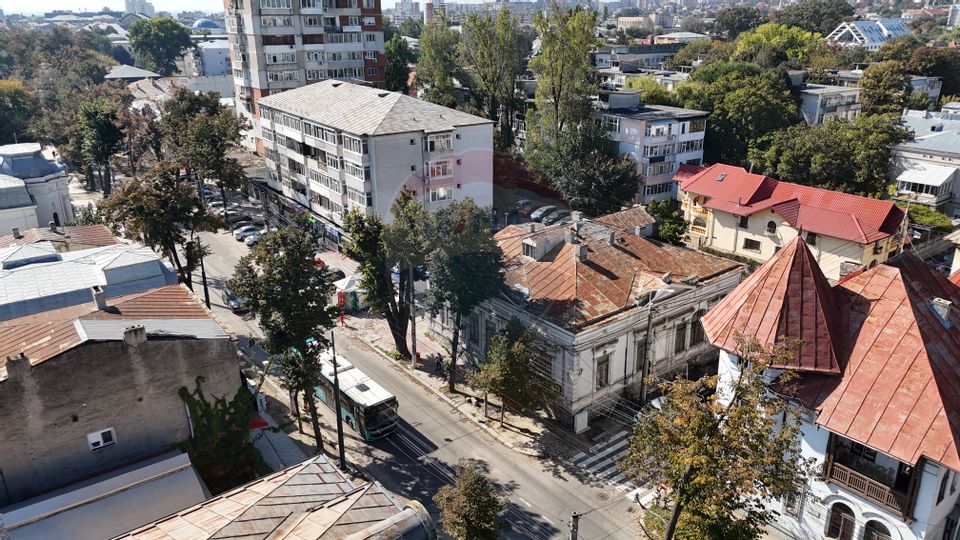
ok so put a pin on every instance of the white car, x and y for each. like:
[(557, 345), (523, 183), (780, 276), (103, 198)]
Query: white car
[(245, 231), (255, 237)]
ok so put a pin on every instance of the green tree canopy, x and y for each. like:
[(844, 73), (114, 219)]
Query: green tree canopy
[(670, 223), (927, 217), (397, 69), (17, 108), (733, 21), (885, 87), (157, 43), (937, 62), (464, 264), (289, 293), (651, 92), (469, 508), (707, 51), (100, 136), (899, 49), (721, 456), (821, 16), (221, 447), (411, 27), (771, 43), (438, 65)]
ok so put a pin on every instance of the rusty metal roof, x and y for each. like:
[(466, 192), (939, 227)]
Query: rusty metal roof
[(787, 298), (48, 334), (628, 219), (78, 236), (898, 391), (576, 293), (309, 501)]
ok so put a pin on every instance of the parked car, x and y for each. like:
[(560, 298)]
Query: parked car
[(336, 275), (232, 216), (232, 301), (555, 217), (521, 204), (241, 223), (252, 239), (245, 231), (527, 210), (214, 205), (542, 212)]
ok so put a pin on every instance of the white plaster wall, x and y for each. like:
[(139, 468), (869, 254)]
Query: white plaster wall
[(51, 195), (24, 218)]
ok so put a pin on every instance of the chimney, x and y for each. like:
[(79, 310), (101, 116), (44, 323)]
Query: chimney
[(18, 367), (580, 252), (134, 335), (612, 238), (576, 215), (16, 233), (531, 227), (571, 236), (53, 226), (99, 297), (942, 306)]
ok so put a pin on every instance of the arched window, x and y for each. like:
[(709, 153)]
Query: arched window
[(841, 523), (874, 530), (771, 227)]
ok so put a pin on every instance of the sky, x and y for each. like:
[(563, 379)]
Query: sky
[(173, 6)]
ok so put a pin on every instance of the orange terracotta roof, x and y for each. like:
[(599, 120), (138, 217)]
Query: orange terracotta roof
[(955, 278), (79, 235), (822, 211), (899, 387), (787, 298), (577, 293), (48, 334)]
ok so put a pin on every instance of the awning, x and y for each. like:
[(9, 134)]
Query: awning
[(926, 174)]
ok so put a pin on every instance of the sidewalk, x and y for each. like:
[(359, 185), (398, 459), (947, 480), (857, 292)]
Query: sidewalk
[(532, 436), (278, 450)]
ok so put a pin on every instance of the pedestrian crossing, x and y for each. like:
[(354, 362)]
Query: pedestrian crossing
[(602, 460)]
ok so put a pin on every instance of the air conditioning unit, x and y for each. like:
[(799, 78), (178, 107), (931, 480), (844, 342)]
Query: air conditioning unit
[(672, 138)]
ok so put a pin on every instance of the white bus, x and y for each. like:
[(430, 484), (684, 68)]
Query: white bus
[(365, 405)]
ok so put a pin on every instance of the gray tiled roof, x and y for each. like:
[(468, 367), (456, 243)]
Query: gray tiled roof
[(363, 110), (129, 72), (26, 160)]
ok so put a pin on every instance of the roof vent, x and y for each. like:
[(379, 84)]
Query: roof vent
[(571, 236), (53, 226), (134, 335), (612, 239), (99, 297), (721, 177), (336, 84), (942, 307), (383, 94), (16, 233), (580, 252), (531, 227), (936, 128)]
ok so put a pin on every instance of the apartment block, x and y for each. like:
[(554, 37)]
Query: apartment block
[(278, 45), (334, 146), (821, 103)]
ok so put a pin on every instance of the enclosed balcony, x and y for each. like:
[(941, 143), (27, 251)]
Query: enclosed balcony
[(879, 478)]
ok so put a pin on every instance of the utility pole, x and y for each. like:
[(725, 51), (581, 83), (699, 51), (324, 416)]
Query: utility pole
[(336, 399), (574, 525), (203, 276), (412, 302)]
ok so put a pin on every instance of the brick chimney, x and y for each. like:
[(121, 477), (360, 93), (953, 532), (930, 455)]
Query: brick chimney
[(18, 367), (134, 335)]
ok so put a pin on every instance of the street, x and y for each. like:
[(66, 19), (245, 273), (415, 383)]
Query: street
[(420, 456)]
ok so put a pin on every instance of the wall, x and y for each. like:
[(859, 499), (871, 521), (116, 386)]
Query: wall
[(49, 409), (52, 195), (24, 218)]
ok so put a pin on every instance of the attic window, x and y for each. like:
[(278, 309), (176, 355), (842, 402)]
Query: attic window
[(721, 177), (529, 250)]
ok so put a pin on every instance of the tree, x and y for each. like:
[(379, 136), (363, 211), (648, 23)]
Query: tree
[(842, 155), (220, 446), (509, 371), (141, 136), (156, 209), (206, 143), (651, 92), (17, 107), (464, 264), (670, 223), (584, 165), (406, 246), (290, 294), (411, 27), (397, 71), (158, 43), (706, 51), (100, 137), (438, 62), (721, 456), (927, 217), (733, 21), (899, 49), (918, 100), (885, 87), (778, 42), (937, 62), (179, 110), (821, 16), (495, 50), (469, 508)]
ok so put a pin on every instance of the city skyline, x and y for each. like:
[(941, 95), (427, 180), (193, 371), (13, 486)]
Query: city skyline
[(39, 7)]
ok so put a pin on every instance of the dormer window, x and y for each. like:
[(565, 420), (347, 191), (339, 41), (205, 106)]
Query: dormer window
[(530, 250)]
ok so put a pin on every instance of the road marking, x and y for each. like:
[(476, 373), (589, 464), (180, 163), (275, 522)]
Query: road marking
[(609, 450), (524, 501)]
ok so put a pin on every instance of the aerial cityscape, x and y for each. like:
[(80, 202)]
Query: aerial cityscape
[(602, 270)]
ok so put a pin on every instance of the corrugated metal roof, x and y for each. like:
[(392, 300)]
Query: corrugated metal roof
[(112, 329), (25, 161), (363, 110), (787, 298), (79, 236), (927, 173)]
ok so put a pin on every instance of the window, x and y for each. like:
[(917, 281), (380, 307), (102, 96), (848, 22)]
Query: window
[(354, 21), (771, 227), (356, 196), (372, 71), (744, 222), (315, 56), (333, 162), (841, 522), (439, 142), (603, 371), (369, 21), (441, 194), (698, 125), (696, 330), (690, 146), (281, 58), (751, 245), (357, 171), (680, 338), (312, 39), (529, 250), (276, 21), (266, 134), (860, 450), (281, 76), (314, 74), (874, 530), (334, 56), (943, 487), (655, 169), (312, 20), (369, 4), (949, 528), (370, 55), (792, 502), (610, 123), (812, 238), (641, 354), (354, 144), (275, 4), (99, 440), (474, 328), (371, 37), (655, 189), (440, 169), (286, 39)]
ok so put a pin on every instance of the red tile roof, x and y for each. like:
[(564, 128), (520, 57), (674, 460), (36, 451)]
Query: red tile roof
[(822, 211), (82, 236), (899, 387), (577, 293), (48, 334), (787, 298), (955, 278)]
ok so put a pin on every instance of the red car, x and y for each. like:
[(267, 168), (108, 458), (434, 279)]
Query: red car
[(527, 210)]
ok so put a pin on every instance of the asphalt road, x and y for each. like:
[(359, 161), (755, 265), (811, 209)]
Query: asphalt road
[(420, 457)]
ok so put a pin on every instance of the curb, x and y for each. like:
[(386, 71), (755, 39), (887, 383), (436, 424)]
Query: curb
[(446, 399)]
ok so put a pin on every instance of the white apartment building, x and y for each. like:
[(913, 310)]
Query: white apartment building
[(141, 7), (821, 103), (658, 138), (277, 45), (209, 58), (333, 146), (926, 168), (877, 387)]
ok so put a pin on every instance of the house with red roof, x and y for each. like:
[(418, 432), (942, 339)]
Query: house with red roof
[(731, 210), (878, 383)]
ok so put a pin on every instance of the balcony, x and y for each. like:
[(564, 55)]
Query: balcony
[(870, 489), (878, 478)]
